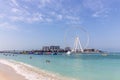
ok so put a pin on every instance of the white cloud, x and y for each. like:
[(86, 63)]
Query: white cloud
[(29, 19), (102, 13), (16, 18), (48, 20), (93, 4), (2, 16), (14, 2), (43, 3), (31, 11), (59, 17), (15, 10), (19, 11), (7, 26), (71, 17), (35, 17), (98, 7)]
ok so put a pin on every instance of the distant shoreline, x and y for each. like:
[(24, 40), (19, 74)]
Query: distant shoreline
[(53, 52)]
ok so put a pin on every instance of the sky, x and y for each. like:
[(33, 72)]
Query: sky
[(31, 24)]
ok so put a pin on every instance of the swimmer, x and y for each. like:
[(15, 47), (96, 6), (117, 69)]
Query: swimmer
[(30, 57), (47, 61)]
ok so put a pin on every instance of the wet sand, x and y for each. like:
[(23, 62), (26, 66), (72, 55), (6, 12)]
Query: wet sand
[(7, 73), (11, 70)]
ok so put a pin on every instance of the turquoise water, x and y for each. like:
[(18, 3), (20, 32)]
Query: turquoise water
[(82, 67)]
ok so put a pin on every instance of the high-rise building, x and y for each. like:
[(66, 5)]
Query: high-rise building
[(54, 48), (45, 48)]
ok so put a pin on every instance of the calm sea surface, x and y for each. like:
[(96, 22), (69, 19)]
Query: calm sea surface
[(80, 67)]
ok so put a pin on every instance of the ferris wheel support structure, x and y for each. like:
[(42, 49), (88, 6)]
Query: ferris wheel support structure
[(77, 45)]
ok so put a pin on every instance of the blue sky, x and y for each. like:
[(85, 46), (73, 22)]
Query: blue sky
[(31, 24)]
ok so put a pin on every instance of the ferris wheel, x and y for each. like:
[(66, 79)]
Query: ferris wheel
[(77, 38)]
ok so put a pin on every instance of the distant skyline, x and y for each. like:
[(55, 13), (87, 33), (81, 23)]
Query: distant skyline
[(31, 24)]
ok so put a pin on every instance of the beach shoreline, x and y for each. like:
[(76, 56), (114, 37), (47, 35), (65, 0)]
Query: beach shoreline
[(23, 71), (8, 73)]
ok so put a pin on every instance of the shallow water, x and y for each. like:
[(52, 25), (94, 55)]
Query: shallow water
[(80, 67)]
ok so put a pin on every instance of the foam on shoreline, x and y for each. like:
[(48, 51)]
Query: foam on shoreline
[(30, 72)]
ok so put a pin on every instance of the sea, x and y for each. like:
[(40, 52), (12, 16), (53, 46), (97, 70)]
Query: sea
[(74, 67)]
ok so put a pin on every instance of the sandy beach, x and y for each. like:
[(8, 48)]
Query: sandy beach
[(11, 70), (7, 73)]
